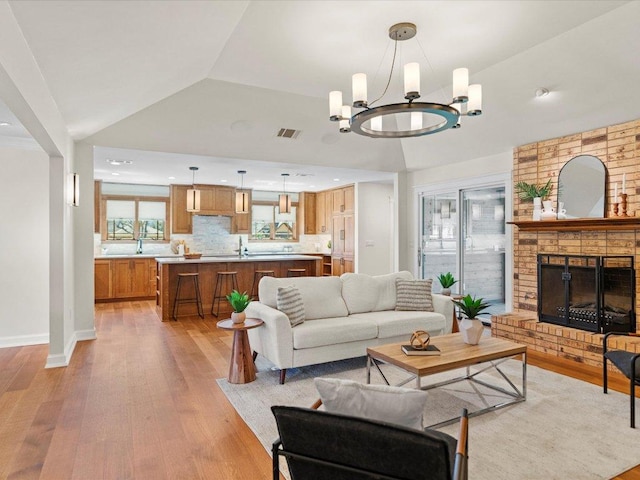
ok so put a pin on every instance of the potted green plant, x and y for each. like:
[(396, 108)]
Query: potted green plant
[(447, 281), (239, 302), (471, 327), (530, 192)]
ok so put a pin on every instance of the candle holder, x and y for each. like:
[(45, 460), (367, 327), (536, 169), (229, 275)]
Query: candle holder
[(614, 209), (623, 205)]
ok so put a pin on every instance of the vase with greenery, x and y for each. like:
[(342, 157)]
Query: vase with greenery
[(447, 281), (239, 302), (471, 327), (530, 192)]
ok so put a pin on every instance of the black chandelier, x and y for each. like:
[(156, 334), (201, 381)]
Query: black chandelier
[(467, 101)]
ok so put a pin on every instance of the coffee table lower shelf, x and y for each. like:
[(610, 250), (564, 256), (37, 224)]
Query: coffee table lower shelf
[(456, 354)]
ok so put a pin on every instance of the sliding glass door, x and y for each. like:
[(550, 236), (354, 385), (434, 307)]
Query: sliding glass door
[(462, 231)]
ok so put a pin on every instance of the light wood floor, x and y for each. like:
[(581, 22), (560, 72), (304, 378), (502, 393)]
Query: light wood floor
[(140, 402)]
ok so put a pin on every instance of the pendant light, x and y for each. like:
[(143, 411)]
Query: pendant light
[(242, 197), (284, 200), (193, 195)]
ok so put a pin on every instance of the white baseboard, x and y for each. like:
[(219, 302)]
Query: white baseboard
[(24, 340), (62, 360)]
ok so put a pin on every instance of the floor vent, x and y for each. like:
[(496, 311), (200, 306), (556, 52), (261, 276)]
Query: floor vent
[(288, 133)]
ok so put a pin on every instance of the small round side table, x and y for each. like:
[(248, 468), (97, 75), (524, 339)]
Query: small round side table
[(241, 367)]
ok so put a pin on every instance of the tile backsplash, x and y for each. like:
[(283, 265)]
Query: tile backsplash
[(211, 236)]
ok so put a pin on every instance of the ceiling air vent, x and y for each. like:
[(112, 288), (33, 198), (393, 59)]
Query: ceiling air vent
[(288, 133)]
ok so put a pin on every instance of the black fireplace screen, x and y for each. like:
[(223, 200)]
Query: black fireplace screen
[(591, 293)]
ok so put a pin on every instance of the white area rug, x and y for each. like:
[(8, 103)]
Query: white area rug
[(566, 429)]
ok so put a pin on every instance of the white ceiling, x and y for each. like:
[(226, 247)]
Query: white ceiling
[(218, 79)]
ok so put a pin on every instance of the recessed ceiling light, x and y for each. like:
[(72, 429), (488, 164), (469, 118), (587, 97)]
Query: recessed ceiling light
[(223, 181), (171, 178), (5, 124), (112, 161), (336, 179), (115, 174)]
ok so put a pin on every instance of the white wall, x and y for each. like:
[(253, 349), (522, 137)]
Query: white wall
[(375, 228), (24, 247)]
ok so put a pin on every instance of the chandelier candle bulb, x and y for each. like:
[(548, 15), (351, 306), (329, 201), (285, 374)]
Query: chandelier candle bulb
[(335, 105), (460, 85), (416, 120), (345, 122), (359, 88), (412, 81), (376, 124), (474, 107)]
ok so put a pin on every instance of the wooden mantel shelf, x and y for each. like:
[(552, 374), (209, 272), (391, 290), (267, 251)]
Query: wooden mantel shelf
[(579, 224)]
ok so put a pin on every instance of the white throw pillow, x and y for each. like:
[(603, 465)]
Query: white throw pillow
[(397, 405), (414, 295), (289, 302)]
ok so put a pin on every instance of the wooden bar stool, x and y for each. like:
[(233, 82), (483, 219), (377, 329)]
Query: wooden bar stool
[(257, 275), (222, 280), (179, 300), (296, 272)]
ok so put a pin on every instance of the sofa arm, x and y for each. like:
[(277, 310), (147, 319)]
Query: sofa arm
[(274, 339), (444, 305)]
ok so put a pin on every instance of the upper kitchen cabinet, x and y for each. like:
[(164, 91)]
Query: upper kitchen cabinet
[(217, 200), (343, 200), (324, 207), (180, 218), (241, 222), (307, 202)]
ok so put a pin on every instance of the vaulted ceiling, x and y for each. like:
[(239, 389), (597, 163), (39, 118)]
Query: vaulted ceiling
[(220, 78)]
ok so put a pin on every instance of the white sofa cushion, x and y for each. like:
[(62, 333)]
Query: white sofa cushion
[(364, 293), (331, 331), (322, 296), (394, 323), (397, 405)]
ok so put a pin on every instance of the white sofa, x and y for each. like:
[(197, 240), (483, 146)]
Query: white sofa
[(344, 316)]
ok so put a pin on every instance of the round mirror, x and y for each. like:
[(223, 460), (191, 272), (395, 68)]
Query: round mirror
[(581, 188)]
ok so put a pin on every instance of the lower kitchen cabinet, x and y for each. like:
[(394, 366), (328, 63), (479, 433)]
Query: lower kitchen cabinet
[(340, 265), (125, 278)]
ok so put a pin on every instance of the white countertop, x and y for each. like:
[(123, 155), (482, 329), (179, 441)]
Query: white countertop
[(137, 255), (235, 258)]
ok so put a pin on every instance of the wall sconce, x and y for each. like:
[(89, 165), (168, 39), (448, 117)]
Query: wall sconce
[(284, 200), (242, 197), (73, 189), (445, 210), (193, 195)]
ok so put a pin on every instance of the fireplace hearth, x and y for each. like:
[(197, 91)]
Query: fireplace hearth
[(592, 293)]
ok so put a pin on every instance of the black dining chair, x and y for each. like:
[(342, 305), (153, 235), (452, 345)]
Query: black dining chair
[(628, 363)]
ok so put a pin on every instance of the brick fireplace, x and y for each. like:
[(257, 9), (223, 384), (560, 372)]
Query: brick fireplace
[(618, 146)]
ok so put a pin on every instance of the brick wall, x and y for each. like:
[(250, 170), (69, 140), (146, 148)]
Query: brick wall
[(618, 146)]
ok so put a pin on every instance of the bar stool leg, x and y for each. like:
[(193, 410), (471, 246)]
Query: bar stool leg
[(175, 300), (216, 296), (196, 283)]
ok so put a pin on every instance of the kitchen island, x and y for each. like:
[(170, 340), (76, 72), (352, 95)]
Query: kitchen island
[(208, 267)]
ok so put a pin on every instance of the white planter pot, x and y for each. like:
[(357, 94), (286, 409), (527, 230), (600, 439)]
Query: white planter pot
[(471, 330), (238, 317), (446, 291), (537, 209)]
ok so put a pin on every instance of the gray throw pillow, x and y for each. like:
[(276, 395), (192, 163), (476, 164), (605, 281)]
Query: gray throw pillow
[(414, 295), (289, 302)]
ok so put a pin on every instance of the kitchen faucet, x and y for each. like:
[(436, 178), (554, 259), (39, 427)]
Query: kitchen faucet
[(240, 246), (139, 245)]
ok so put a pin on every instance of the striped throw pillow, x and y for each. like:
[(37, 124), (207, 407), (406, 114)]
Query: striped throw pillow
[(289, 302), (414, 295)]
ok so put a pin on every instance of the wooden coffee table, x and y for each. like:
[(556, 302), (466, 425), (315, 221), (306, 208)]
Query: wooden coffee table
[(455, 354), (241, 366)]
